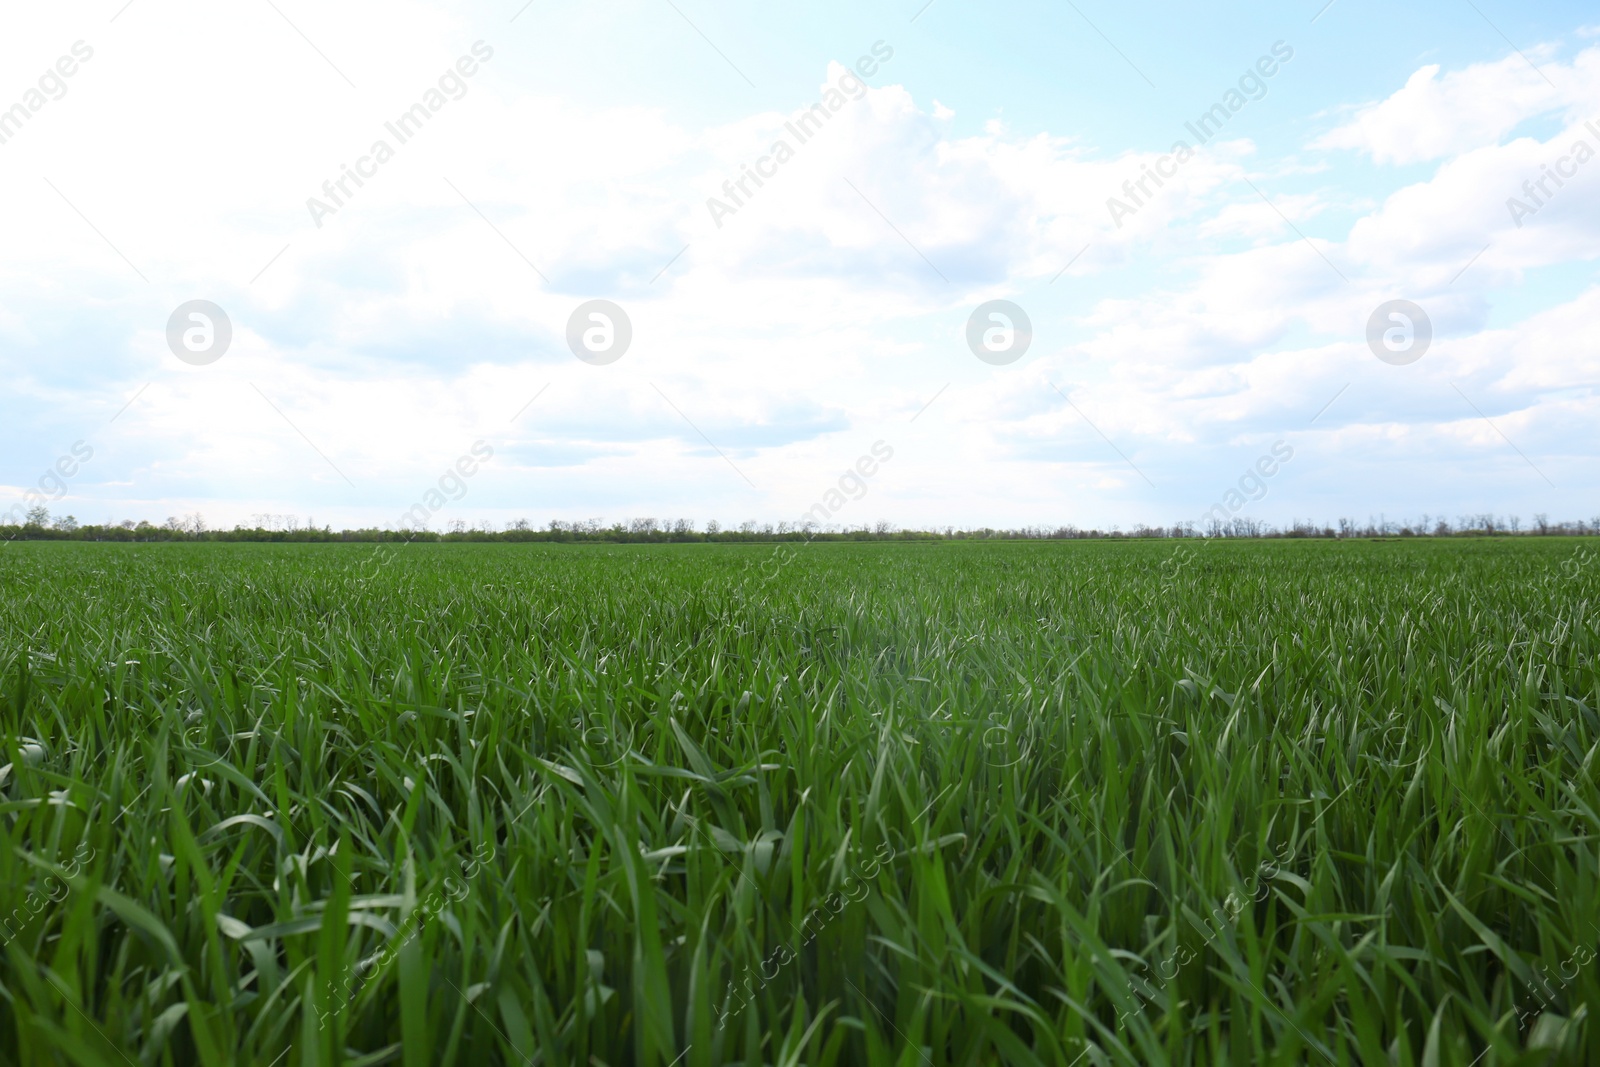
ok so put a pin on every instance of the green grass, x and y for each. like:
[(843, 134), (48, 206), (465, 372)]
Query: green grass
[(1091, 803)]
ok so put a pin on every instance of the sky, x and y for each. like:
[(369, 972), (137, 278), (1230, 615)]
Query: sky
[(1010, 264)]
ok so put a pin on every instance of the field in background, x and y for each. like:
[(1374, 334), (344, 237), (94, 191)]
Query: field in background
[(951, 803)]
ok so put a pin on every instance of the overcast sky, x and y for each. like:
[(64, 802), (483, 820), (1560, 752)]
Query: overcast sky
[(160, 152)]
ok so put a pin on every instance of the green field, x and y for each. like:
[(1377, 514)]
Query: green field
[(925, 803)]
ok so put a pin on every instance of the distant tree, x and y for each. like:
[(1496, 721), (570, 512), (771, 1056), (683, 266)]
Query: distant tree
[(1541, 522), (66, 524), (38, 515), (1515, 522), (713, 527)]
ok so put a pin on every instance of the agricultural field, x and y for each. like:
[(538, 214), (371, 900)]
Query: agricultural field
[(918, 803)]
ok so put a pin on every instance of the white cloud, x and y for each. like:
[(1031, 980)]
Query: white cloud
[(1433, 117)]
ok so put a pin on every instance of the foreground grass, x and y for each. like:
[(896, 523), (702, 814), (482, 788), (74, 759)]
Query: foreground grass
[(922, 804)]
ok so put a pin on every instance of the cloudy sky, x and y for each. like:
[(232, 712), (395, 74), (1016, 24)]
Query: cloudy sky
[(557, 153)]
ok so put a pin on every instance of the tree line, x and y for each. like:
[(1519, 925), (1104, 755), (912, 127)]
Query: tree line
[(40, 525)]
